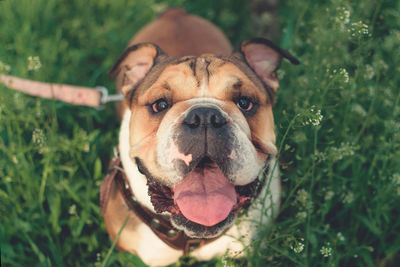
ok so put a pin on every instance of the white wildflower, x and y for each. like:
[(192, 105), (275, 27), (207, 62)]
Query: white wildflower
[(340, 237), (86, 148), (359, 30), (348, 198), (316, 121), (345, 75), (314, 117), (304, 199), (298, 247), (319, 156), (38, 137), (382, 65), (396, 181), (329, 195), (344, 150), (342, 17), (34, 63), (369, 72), (72, 210), (358, 109), (301, 215), (4, 67), (326, 250), (98, 260), (302, 196)]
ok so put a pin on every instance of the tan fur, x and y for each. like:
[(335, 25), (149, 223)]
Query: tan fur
[(180, 34)]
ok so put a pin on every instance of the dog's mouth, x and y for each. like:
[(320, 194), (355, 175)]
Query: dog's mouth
[(205, 196), (204, 202)]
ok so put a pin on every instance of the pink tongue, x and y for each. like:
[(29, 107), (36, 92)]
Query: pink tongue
[(205, 196)]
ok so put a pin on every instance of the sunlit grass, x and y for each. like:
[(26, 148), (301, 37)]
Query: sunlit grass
[(337, 119)]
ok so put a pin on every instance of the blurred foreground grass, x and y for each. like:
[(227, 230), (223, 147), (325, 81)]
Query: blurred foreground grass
[(337, 118)]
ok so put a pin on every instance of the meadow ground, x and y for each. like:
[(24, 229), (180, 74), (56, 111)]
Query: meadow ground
[(337, 119)]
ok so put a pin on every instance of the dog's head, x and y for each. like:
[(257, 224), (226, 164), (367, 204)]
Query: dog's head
[(201, 128)]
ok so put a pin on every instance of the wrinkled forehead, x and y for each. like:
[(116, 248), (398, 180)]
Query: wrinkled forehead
[(201, 74)]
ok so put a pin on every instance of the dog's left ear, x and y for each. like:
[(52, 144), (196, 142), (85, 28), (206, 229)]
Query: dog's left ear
[(264, 57), (134, 64)]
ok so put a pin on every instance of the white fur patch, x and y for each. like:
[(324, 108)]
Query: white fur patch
[(153, 251), (137, 181)]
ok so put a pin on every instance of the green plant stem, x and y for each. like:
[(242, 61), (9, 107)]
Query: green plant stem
[(107, 258)]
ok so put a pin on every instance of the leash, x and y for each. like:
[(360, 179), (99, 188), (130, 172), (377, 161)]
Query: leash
[(77, 95)]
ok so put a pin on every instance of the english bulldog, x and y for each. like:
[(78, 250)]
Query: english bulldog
[(197, 142)]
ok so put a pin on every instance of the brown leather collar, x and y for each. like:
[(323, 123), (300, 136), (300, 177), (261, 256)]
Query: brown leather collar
[(159, 224)]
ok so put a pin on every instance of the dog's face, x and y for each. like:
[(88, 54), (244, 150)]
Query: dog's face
[(201, 129)]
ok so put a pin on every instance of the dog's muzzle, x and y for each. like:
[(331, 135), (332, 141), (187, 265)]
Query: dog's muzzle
[(212, 171), (204, 133)]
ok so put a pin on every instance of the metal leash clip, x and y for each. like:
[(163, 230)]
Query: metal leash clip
[(106, 98)]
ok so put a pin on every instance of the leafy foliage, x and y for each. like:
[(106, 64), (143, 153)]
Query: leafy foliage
[(337, 118)]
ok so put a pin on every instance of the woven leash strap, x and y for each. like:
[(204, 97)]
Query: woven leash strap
[(77, 95)]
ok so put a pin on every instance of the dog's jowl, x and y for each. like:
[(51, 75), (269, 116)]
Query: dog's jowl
[(197, 171)]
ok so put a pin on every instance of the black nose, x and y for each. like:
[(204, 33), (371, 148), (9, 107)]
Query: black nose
[(204, 117)]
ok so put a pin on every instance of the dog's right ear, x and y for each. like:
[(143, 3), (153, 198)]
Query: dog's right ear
[(134, 64), (264, 57)]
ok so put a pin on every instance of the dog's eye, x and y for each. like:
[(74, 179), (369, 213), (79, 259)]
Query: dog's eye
[(245, 104), (159, 105)]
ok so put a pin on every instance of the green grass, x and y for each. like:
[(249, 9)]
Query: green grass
[(341, 176)]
